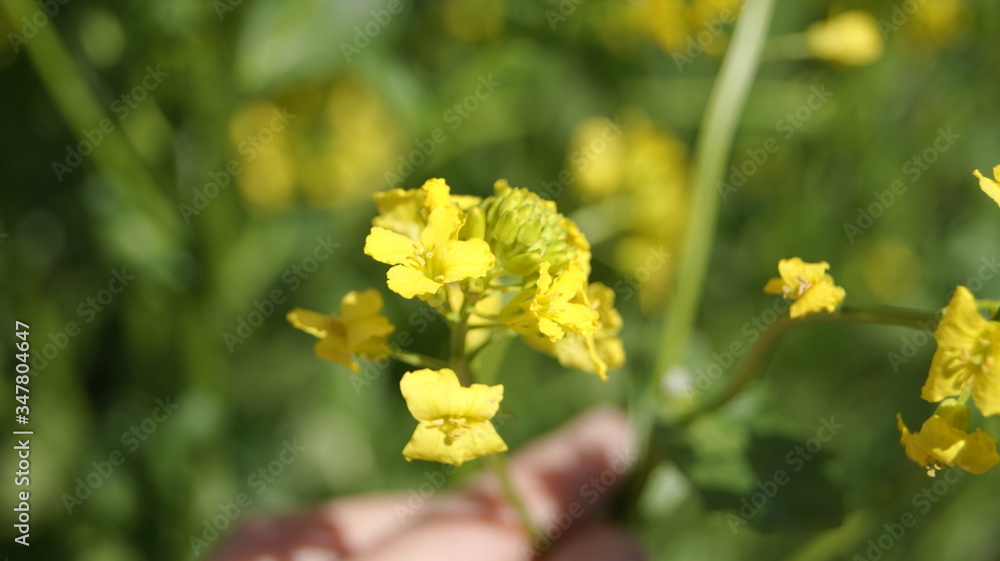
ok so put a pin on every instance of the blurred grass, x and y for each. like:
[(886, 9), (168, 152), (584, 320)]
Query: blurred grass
[(164, 334)]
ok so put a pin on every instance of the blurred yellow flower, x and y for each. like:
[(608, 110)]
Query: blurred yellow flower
[(360, 330), (943, 441), (808, 284), (596, 353), (454, 421), (552, 306), (968, 355), (422, 267), (851, 38), (990, 186)]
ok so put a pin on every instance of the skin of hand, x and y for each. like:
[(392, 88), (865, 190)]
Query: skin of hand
[(566, 479)]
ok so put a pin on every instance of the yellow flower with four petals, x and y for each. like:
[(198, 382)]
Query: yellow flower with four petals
[(943, 441), (359, 330), (423, 266), (967, 355), (454, 421), (808, 284)]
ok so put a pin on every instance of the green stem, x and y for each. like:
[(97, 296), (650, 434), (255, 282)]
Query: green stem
[(499, 464), (718, 127), (752, 365), (459, 362), (418, 359)]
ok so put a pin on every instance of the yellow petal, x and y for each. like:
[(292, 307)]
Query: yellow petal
[(550, 329), (362, 330), (362, 303), (571, 282), (389, 247), (793, 271), (956, 335), (442, 225), (979, 453), (432, 444), (822, 296), (460, 260), (989, 186), (774, 286), (409, 282), (437, 394), (334, 347), (986, 389), (436, 194), (313, 323)]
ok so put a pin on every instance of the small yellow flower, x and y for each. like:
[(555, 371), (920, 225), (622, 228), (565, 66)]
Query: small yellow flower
[(595, 353), (851, 38), (454, 421), (438, 257), (968, 355), (943, 441), (808, 284), (360, 330), (552, 306), (990, 186)]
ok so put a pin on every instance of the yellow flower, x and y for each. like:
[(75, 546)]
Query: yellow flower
[(990, 186), (438, 257), (455, 422), (808, 284), (360, 329), (850, 38), (552, 306), (968, 355), (595, 353), (943, 441)]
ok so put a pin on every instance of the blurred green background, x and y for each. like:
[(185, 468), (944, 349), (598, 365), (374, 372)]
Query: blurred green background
[(207, 150)]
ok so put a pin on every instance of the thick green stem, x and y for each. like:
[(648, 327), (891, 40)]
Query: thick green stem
[(718, 127)]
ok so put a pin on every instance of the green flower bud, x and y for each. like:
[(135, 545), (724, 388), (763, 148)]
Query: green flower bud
[(523, 264)]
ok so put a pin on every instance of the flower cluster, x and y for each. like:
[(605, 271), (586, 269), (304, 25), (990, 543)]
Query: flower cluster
[(966, 363), (507, 264), (456, 251)]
